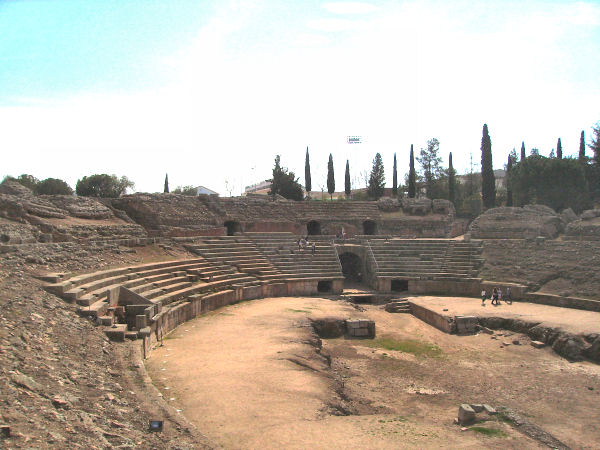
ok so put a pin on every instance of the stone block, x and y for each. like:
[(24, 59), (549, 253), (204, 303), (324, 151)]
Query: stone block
[(140, 321), (538, 344), (489, 409), (147, 331), (466, 414), (106, 320), (477, 407), (361, 332), (351, 324)]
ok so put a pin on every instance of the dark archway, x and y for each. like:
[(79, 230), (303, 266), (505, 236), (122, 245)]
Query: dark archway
[(399, 285), (324, 286), (313, 228), (232, 227), (369, 227), (351, 267)]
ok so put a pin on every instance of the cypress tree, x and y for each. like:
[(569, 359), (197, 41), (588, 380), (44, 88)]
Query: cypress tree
[(377, 178), (523, 155), (582, 147), (166, 191), (307, 180), (559, 149), (595, 145), (488, 181), (330, 177), (412, 176), (509, 194), (395, 178), (347, 180), (451, 180)]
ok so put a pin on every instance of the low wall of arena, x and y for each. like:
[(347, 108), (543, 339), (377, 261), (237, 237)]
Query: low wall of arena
[(431, 317), (195, 305)]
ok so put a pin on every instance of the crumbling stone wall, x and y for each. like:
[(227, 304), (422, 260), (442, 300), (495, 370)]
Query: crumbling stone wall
[(514, 222)]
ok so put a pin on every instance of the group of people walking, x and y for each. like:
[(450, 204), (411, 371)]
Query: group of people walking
[(303, 244), (497, 296)]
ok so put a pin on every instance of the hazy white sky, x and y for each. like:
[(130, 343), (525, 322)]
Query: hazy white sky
[(211, 91)]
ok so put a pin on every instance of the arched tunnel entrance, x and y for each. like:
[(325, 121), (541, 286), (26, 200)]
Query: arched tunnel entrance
[(232, 227), (352, 267), (369, 227), (313, 228)]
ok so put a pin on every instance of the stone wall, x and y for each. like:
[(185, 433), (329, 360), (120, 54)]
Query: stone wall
[(444, 323)]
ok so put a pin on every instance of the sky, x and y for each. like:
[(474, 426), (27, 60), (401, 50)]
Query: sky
[(211, 91)]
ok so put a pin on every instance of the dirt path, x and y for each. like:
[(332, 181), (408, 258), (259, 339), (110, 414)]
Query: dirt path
[(249, 376)]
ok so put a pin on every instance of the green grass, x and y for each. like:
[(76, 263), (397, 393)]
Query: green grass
[(492, 432), (417, 348)]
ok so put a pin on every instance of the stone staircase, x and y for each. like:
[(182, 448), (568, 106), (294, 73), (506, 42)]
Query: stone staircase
[(281, 250), (398, 306), (425, 259)]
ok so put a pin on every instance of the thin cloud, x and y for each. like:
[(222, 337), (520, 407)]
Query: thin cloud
[(350, 7)]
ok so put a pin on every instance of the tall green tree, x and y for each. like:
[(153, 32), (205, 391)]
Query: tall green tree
[(509, 165), (395, 178), (431, 165), (285, 183), (559, 149), (582, 147), (488, 180), (412, 175), (347, 186), (330, 177), (451, 180), (166, 189), (307, 179), (103, 185), (523, 155), (595, 145), (376, 179)]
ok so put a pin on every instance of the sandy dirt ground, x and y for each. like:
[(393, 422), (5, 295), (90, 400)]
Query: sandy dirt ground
[(249, 376)]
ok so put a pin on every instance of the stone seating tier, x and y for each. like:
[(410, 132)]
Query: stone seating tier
[(425, 259), (281, 250)]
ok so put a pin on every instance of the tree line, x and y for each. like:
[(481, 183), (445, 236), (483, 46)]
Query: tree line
[(98, 185), (556, 181)]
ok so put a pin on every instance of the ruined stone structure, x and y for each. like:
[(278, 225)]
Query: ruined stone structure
[(247, 248)]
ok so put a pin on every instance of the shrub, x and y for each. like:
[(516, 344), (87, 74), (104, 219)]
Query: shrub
[(53, 186), (103, 185)]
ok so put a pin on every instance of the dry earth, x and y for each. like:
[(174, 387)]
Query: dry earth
[(250, 376)]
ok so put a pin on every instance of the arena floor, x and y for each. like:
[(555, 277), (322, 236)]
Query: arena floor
[(249, 376)]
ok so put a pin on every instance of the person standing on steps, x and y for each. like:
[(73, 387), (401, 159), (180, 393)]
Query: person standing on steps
[(313, 249), (508, 296)]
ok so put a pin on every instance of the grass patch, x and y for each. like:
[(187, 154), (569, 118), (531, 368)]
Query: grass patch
[(492, 432), (417, 348)]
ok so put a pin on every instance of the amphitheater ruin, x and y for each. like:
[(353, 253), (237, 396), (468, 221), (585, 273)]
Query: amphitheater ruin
[(119, 312)]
